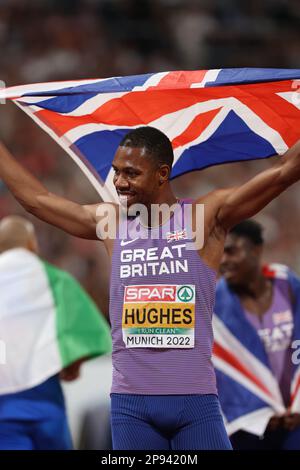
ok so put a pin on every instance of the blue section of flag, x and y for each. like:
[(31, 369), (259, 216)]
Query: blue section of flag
[(239, 403), (68, 99), (253, 75), (64, 103), (99, 148), (221, 147), (229, 310), (111, 85)]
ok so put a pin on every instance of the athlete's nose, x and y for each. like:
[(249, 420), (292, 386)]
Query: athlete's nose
[(121, 183)]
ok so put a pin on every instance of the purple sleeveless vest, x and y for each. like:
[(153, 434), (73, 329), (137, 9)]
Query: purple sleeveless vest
[(161, 304), (275, 329)]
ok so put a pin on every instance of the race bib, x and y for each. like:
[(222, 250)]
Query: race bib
[(159, 316)]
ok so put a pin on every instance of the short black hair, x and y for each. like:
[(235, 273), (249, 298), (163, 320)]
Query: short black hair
[(249, 229), (154, 141)]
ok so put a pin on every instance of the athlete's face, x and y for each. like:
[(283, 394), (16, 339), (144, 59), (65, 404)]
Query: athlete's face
[(240, 260), (136, 176)]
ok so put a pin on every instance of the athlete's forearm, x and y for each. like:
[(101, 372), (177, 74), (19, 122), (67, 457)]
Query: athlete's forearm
[(250, 198), (23, 185), (69, 216), (290, 165)]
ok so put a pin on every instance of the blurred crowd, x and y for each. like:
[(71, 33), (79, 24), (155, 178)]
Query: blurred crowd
[(44, 40)]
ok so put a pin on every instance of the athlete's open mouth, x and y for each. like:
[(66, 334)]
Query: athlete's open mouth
[(125, 198)]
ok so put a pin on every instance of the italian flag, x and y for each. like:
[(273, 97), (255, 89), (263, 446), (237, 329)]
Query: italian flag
[(47, 321)]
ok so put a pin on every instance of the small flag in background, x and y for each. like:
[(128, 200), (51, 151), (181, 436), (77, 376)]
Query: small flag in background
[(210, 116)]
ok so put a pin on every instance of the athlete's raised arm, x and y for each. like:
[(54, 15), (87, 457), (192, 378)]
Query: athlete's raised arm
[(73, 218), (242, 202)]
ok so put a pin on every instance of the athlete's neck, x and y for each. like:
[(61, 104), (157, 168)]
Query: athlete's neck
[(255, 287), (155, 216)]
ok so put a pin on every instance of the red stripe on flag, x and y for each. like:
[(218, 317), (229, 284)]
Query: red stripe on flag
[(61, 124), (297, 387), (179, 79), (196, 127), (222, 353), (267, 272), (273, 109), (133, 109)]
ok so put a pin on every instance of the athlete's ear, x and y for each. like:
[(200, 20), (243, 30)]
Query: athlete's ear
[(256, 253), (258, 250), (164, 173)]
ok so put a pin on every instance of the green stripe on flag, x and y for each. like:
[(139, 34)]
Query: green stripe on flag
[(82, 330)]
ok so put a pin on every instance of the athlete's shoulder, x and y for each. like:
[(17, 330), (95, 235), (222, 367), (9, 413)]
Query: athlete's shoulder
[(213, 202)]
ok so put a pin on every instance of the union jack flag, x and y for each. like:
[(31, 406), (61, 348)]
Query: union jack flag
[(177, 235), (248, 390), (210, 116)]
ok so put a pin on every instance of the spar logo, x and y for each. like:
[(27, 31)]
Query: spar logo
[(159, 293), (185, 294)]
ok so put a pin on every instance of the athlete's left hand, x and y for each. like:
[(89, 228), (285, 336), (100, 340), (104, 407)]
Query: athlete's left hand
[(291, 420)]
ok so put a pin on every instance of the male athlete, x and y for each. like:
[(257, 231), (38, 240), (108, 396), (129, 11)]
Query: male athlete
[(162, 295), (262, 305)]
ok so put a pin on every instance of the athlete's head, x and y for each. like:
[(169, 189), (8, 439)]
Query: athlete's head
[(17, 232), (241, 260), (142, 166)]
